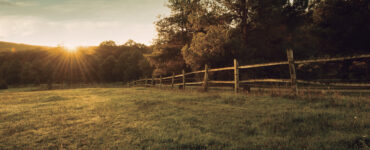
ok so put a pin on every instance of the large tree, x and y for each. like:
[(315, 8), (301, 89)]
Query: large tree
[(342, 26), (188, 17)]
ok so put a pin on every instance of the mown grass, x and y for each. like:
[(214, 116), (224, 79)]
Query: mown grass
[(148, 118)]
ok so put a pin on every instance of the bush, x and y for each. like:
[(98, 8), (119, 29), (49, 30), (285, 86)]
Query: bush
[(3, 84)]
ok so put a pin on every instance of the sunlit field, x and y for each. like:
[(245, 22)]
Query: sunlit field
[(149, 118), (184, 74)]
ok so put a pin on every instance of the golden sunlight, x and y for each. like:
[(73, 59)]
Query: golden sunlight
[(71, 48)]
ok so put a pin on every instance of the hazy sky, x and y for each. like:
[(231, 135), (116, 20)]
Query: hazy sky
[(79, 22)]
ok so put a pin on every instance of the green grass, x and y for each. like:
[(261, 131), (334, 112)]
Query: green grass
[(148, 118)]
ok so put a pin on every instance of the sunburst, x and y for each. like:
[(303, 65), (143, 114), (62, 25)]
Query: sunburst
[(69, 65), (71, 49)]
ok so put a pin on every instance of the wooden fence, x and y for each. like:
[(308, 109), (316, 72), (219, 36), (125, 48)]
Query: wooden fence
[(293, 81)]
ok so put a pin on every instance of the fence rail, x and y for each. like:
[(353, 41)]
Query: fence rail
[(335, 84), (236, 82)]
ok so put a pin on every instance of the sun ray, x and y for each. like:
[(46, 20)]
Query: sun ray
[(71, 49)]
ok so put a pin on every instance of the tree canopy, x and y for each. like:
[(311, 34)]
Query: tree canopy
[(213, 32)]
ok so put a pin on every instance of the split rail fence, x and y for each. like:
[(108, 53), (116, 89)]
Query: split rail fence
[(293, 81)]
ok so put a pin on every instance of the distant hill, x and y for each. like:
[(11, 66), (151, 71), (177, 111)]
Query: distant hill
[(8, 46)]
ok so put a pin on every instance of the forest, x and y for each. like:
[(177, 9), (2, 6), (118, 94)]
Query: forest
[(212, 32)]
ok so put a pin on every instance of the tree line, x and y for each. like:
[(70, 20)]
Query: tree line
[(105, 63), (214, 32)]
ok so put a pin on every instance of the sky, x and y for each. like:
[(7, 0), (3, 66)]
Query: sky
[(72, 23)]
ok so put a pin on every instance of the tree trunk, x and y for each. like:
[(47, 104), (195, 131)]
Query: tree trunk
[(244, 18)]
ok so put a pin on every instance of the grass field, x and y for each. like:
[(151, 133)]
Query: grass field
[(148, 118)]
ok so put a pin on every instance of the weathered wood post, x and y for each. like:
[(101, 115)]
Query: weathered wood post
[(205, 81), (183, 79), (293, 75), (236, 76), (146, 82), (153, 81), (160, 81), (173, 79)]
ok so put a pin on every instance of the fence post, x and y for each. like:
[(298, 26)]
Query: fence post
[(236, 76), (160, 81), (146, 82), (153, 81), (293, 75), (173, 79), (183, 79), (205, 81)]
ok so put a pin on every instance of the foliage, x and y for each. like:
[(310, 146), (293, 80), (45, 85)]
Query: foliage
[(167, 58), (214, 32), (341, 27), (207, 48), (107, 69), (175, 31), (3, 84), (87, 64)]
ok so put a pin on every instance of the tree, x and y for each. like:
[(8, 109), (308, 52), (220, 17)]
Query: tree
[(174, 32), (107, 69), (121, 67), (239, 12), (342, 26), (106, 49), (28, 74), (145, 67), (208, 48), (3, 84), (13, 72)]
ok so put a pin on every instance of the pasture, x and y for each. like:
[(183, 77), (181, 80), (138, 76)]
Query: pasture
[(150, 118)]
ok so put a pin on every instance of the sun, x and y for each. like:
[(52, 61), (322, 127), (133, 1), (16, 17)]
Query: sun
[(71, 48)]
